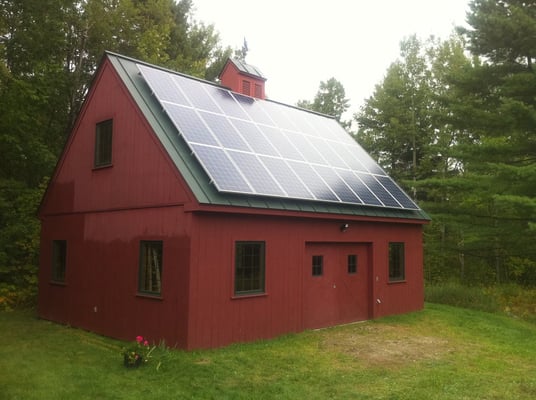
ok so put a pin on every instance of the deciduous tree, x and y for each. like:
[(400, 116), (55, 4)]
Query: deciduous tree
[(49, 52), (330, 100)]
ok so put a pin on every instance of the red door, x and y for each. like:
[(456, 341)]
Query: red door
[(336, 284)]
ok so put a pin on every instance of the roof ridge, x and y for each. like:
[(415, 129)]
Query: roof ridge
[(165, 69)]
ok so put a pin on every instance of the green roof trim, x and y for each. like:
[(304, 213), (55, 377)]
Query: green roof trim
[(199, 182)]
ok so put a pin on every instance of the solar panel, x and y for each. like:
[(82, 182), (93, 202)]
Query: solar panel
[(313, 181), (227, 102), (256, 173), (224, 132), (190, 124), (359, 188), (254, 137), (287, 178), (341, 189), (220, 167), (260, 147)]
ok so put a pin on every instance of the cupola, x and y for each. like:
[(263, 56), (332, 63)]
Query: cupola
[(243, 78)]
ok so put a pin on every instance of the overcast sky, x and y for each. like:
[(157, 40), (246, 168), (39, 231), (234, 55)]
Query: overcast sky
[(298, 43)]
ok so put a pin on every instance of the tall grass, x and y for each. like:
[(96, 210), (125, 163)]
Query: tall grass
[(458, 295), (512, 300)]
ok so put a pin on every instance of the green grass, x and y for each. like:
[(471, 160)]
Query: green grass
[(440, 353)]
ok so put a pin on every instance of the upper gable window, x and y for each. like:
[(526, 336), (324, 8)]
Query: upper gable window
[(103, 144)]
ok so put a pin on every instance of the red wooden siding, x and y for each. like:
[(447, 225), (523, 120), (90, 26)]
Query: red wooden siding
[(198, 308), (141, 174), (100, 291), (104, 213), (217, 317)]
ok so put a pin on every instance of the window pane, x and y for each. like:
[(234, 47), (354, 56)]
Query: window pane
[(103, 143), (59, 258), (396, 262), (352, 263), (150, 271), (249, 267), (318, 265)]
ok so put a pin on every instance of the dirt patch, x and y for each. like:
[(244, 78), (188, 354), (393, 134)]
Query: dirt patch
[(387, 346)]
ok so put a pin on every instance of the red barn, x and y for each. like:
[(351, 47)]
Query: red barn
[(186, 211)]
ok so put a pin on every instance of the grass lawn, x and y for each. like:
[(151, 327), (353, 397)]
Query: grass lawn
[(440, 353)]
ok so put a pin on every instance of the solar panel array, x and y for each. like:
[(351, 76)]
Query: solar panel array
[(259, 147)]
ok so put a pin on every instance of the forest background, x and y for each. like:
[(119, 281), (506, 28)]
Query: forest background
[(453, 121)]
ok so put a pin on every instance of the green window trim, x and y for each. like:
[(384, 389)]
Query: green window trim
[(103, 144), (397, 263), (150, 267), (59, 260), (250, 268)]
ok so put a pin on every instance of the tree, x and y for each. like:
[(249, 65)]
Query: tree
[(500, 92), (444, 107), (395, 122), (502, 31), (194, 48), (330, 100), (49, 52)]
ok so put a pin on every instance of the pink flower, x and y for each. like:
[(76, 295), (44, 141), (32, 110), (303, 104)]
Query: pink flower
[(146, 343), (139, 339)]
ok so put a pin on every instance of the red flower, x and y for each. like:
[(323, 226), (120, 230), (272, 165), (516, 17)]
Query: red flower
[(139, 339)]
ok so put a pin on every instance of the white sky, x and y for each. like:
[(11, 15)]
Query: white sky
[(298, 43)]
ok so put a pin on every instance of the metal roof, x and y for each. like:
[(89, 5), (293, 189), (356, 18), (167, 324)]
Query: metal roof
[(196, 178), (247, 68)]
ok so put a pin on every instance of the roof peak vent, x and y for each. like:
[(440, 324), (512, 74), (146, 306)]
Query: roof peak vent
[(243, 78)]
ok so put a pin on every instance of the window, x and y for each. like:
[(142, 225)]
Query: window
[(103, 144), (318, 265), (249, 267), (352, 263), (396, 262), (150, 272), (59, 258), (246, 89)]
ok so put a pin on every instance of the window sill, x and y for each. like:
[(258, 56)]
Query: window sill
[(99, 167), (56, 283), (396, 282), (248, 296), (150, 296)]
